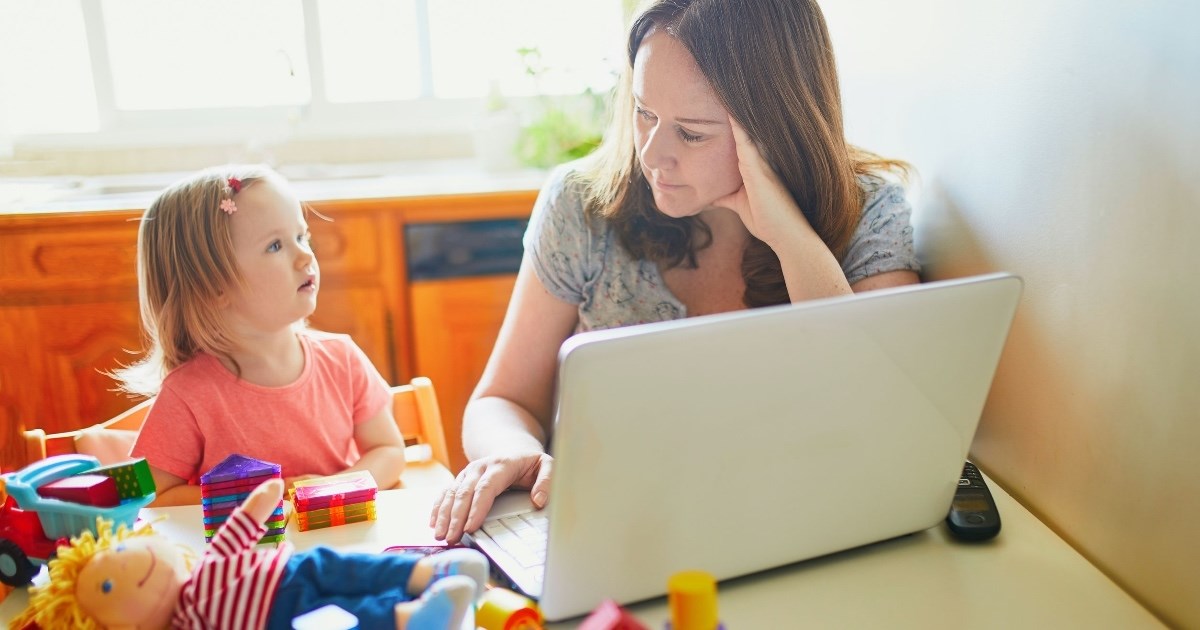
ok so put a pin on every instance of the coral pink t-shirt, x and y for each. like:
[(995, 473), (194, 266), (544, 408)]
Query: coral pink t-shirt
[(204, 413)]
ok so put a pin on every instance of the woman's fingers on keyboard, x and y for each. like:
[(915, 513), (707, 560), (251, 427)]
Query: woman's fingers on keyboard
[(541, 486), (464, 504), (464, 496), (436, 511), (441, 515), (490, 486), (455, 501)]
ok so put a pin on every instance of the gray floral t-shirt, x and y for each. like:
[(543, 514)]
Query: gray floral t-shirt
[(580, 260)]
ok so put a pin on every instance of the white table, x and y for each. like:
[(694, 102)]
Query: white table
[(1027, 577)]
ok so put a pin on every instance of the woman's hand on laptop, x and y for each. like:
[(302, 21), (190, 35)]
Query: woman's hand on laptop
[(465, 503)]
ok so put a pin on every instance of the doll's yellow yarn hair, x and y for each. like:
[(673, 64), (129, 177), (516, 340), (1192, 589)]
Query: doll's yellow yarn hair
[(53, 605)]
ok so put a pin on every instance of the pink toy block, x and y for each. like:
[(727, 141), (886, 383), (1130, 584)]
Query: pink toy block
[(94, 490), (610, 616)]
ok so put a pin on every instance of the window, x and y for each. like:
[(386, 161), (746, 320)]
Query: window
[(183, 71), (370, 60), (184, 55), (41, 40)]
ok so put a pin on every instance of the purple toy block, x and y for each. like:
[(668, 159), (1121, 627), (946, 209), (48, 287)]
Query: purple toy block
[(239, 467)]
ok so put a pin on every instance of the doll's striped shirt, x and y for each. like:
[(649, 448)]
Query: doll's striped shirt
[(235, 582)]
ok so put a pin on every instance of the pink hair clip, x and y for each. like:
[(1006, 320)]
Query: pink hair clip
[(235, 187)]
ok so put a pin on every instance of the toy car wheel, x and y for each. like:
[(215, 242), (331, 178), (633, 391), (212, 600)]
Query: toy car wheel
[(15, 567)]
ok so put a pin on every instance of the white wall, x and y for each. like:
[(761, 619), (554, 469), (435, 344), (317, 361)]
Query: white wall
[(1060, 140)]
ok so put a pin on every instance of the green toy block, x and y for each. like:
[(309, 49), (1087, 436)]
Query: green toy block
[(274, 534), (133, 478)]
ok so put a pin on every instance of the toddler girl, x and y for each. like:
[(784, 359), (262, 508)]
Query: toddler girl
[(226, 279)]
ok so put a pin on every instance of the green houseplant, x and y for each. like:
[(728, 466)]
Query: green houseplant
[(564, 127)]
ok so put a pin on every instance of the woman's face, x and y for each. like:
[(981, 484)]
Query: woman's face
[(682, 133)]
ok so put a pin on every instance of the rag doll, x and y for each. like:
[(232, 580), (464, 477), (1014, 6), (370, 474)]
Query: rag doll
[(139, 579)]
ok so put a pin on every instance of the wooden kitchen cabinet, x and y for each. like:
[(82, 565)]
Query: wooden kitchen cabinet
[(455, 323), (69, 313), (357, 274)]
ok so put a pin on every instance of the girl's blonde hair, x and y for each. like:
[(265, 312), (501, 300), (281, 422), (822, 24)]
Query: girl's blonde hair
[(771, 65), (185, 268), (53, 605)]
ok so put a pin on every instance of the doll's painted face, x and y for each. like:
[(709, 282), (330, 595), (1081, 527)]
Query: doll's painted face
[(135, 584)]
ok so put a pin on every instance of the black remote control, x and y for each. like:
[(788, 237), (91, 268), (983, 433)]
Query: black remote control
[(973, 514)]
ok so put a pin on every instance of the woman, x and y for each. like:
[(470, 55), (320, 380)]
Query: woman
[(724, 182)]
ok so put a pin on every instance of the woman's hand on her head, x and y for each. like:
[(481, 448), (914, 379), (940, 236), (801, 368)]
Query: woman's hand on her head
[(465, 503), (763, 202)]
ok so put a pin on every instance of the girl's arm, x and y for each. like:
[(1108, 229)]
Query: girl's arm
[(507, 422), (382, 448), (172, 490)]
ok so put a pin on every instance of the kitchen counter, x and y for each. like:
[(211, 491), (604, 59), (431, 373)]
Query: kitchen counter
[(311, 182)]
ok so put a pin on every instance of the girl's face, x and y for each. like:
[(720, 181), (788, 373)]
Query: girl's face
[(273, 254), (681, 131)]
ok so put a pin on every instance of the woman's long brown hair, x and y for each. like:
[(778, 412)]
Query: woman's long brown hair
[(771, 64)]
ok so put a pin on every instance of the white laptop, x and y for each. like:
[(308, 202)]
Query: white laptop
[(739, 442)]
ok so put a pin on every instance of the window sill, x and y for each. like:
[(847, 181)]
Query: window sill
[(312, 182)]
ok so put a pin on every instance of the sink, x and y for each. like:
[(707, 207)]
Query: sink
[(129, 189), (310, 181)]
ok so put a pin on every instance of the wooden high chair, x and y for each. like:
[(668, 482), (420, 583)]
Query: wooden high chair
[(419, 418), (108, 441), (414, 407)]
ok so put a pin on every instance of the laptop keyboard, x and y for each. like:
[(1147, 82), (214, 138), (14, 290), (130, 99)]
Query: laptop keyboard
[(523, 536)]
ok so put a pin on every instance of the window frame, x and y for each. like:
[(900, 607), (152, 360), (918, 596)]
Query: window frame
[(319, 119)]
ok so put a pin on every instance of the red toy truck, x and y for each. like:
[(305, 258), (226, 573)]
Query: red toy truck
[(32, 526)]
